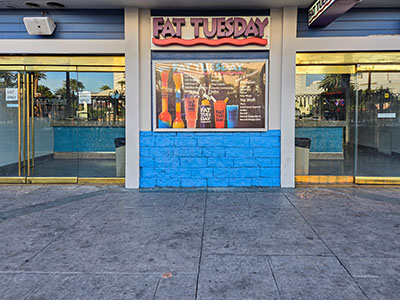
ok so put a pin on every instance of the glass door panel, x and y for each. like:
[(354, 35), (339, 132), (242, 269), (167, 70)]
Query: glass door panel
[(10, 126), (324, 104), (101, 118), (378, 124), (55, 132)]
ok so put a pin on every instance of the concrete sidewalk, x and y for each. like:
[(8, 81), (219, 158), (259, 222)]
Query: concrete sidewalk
[(96, 242)]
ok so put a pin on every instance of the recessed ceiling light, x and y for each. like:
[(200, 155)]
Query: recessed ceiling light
[(32, 4), (55, 4), (11, 6)]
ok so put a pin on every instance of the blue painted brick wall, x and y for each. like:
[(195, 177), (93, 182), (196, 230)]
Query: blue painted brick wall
[(231, 159)]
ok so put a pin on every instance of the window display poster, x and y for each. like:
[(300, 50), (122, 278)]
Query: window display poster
[(219, 95)]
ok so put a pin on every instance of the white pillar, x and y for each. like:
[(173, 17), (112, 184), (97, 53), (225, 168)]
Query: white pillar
[(145, 69), (288, 92), (275, 71), (132, 96)]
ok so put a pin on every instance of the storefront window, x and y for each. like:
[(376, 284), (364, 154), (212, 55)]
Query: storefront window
[(61, 124), (351, 122), (85, 112)]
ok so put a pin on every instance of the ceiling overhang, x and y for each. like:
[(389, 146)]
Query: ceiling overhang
[(178, 4)]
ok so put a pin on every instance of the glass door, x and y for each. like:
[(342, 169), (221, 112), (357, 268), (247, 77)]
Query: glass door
[(62, 119), (55, 139), (34, 107), (324, 124), (10, 123), (378, 125), (101, 119)]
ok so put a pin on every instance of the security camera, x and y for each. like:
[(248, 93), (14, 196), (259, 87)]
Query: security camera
[(39, 25)]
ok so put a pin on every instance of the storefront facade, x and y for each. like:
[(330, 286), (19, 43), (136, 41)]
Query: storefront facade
[(215, 106)]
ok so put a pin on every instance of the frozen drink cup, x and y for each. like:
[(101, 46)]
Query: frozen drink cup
[(219, 112), (232, 111), (191, 108)]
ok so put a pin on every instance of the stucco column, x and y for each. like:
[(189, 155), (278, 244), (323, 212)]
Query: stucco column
[(132, 96), (288, 92), (275, 67)]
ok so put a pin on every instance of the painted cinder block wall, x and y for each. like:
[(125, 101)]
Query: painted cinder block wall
[(231, 159)]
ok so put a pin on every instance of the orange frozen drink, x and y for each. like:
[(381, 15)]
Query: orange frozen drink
[(219, 112)]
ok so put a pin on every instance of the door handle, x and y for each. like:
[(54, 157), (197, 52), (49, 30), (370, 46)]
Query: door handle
[(19, 124), (24, 122), (33, 122)]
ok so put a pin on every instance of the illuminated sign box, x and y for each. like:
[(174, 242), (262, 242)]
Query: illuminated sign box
[(211, 32)]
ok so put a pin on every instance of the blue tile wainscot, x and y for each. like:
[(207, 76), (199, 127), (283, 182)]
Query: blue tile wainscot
[(234, 159)]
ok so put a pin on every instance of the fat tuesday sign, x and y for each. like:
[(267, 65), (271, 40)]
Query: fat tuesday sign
[(212, 31), (317, 9), (323, 12)]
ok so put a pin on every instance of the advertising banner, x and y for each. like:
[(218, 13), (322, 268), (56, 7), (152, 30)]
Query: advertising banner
[(210, 96)]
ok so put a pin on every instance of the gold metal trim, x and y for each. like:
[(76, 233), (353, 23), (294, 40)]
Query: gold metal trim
[(350, 69), (100, 69), (11, 180), (92, 180), (28, 167), (377, 180), (54, 180), (344, 58), (19, 124), (47, 60), (327, 185), (51, 68), (12, 68), (318, 179), (378, 68)]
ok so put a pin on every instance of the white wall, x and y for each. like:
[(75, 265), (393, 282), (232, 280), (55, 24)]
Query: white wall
[(288, 95), (132, 94), (275, 65), (145, 70)]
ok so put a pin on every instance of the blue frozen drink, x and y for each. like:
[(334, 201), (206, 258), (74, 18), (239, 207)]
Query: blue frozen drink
[(232, 111)]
